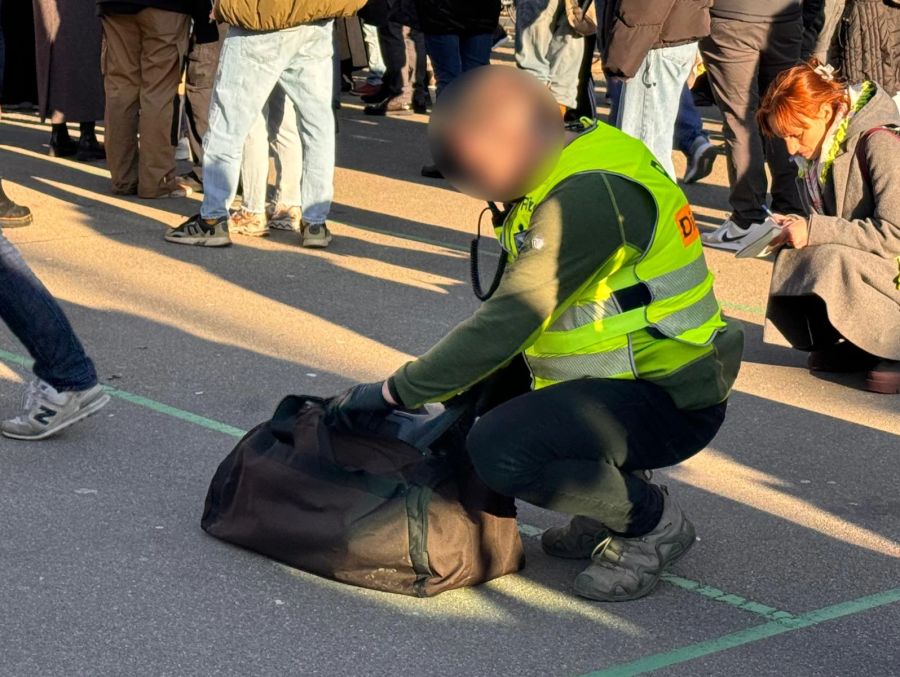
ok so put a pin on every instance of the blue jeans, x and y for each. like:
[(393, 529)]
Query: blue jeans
[(688, 124), (452, 55), (277, 124), (373, 50), (547, 48), (251, 64), (649, 102), (36, 319)]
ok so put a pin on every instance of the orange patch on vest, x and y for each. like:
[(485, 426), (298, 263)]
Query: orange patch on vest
[(687, 226)]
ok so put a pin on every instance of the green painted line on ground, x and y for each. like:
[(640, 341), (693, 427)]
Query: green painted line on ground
[(175, 412), (743, 308), (736, 601), (750, 635)]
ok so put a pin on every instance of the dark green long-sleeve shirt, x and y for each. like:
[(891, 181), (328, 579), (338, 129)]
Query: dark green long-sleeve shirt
[(573, 234)]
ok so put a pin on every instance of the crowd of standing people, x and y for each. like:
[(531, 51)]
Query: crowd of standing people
[(242, 84)]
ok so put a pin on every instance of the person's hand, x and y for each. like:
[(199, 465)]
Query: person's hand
[(357, 403), (795, 231)]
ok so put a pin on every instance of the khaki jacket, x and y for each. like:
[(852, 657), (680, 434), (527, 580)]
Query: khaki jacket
[(273, 15)]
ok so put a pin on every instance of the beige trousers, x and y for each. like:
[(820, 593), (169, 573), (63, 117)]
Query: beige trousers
[(142, 69)]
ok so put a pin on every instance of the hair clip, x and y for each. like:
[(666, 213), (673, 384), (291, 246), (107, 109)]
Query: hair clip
[(825, 71)]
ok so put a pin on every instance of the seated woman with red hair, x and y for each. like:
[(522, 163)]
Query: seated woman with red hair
[(835, 287)]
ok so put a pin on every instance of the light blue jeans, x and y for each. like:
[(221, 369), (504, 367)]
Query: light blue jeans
[(251, 64), (649, 102), (373, 50), (275, 126), (547, 48)]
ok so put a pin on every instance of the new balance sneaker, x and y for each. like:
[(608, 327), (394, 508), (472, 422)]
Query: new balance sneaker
[(732, 237), (316, 235), (243, 222), (46, 411), (289, 218), (628, 568), (201, 232), (577, 540), (701, 159)]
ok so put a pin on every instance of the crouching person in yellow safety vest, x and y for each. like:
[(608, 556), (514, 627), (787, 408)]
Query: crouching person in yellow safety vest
[(603, 353)]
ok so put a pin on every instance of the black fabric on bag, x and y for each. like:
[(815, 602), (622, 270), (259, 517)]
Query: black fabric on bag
[(369, 510)]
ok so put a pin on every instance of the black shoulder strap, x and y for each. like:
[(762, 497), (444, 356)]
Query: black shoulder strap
[(862, 146)]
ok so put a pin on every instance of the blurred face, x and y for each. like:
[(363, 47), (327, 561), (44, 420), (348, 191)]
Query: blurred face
[(806, 139), (502, 129)]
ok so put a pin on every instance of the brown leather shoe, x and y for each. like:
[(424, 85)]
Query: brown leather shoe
[(841, 358), (884, 378)]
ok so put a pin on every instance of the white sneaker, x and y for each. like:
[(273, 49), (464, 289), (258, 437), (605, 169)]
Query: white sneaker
[(46, 410), (732, 237), (700, 160)]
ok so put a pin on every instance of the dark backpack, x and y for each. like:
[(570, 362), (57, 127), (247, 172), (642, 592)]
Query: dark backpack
[(372, 510)]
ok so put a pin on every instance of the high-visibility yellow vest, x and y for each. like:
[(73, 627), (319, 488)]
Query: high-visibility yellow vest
[(644, 314)]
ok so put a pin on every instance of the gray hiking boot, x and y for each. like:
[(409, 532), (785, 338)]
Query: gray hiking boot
[(577, 540), (580, 537), (629, 568), (46, 410), (316, 235)]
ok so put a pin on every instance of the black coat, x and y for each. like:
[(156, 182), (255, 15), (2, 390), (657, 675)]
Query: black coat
[(458, 17)]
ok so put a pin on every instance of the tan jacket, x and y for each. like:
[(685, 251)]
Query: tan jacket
[(273, 15)]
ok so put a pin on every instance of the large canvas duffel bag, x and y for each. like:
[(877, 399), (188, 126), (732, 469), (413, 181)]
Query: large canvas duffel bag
[(372, 510)]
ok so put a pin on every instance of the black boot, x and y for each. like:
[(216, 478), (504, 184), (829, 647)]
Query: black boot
[(61, 144), (11, 214), (89, 149)]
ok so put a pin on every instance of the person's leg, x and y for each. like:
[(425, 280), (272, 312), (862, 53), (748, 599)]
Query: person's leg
[(284, 138), (34, 316), (688, 124), (565, 54), (648, 105), (202, 64), (572, 448), (781, 51), (418, 59), (444, 51), (534, 33), (249, 67), (306, 82), (393, 49), (475, 50), (732, 56), (122, 83), (251, 219), (613, 93), (575, 448), (164, 37), (66, 390), (373, 51)]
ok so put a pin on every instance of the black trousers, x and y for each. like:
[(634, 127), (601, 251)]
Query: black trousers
[(572, 447), (403, 49)]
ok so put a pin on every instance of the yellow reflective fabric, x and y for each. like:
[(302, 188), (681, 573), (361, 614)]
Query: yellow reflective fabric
[(589, 335)]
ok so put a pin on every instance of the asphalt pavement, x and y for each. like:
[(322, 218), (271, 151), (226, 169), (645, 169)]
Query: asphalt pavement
[(104, 569)]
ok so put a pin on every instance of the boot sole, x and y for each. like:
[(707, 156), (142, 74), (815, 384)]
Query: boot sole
[(200, 242), (647, 589), (16, 222), (88, 411), (883, 386)]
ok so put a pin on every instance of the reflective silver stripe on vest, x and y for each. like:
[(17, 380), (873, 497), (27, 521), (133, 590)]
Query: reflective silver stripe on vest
[(570, 367), (679, 280), (689, 318), (580, 315), (665, 286)]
